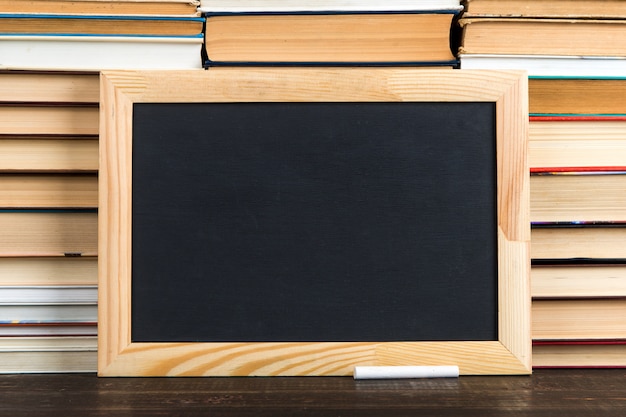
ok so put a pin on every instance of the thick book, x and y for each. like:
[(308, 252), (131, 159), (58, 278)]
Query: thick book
[(48, 354), (39, 154), (575, 195), (578, 279), (48, 233), (263, 6), (49, 343), (577, 96), (97, 52), (49, 361), (579, 354), (543, 36), (48, 190), (48, 313), (49, 271), (598, 9), (48, 329), (576, 141), (319, 38), (48, 294), (584, 318), (578, 241), (548, 65), (49, 87), (103, 7), (52, 24), (66, 119)]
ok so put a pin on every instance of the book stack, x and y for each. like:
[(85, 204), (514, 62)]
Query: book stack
[(323, 32), (575, 56), (99, 34), (48, 218), (547, 37), (50, 55)]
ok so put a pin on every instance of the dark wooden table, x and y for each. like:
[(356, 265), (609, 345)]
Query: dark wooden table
[(546, 393)]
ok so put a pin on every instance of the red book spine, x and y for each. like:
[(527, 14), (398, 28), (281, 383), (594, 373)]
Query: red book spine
[(586, 170), (586, 118)]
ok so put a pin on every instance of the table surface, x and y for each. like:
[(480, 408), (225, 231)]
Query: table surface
[(548, 392)]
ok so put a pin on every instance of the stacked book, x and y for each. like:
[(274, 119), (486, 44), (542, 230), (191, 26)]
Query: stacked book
[(549, 37), (99, 34), (575, 55), (48, 218), (324, 32), (50, 55)]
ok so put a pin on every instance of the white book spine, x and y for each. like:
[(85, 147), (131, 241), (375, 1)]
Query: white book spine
[(95, 53)]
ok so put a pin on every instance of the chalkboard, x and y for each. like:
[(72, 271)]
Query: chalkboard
[(301, 233), (356, 214)]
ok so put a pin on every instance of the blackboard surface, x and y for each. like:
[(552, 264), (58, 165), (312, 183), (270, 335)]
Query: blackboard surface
[(314, 222)]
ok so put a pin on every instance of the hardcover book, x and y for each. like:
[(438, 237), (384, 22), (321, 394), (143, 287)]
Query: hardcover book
[(339, 39)]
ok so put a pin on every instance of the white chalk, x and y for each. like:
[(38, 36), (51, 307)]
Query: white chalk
[(396, 372)]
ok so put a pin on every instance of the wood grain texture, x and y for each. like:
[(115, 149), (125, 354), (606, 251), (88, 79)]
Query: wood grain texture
[(118, 355), (547, 393)]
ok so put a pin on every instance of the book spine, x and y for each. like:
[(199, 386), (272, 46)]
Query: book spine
[(426, 64), (585, 170), (208, 13)]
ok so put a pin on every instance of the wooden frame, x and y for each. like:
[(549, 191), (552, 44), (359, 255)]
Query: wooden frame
[(119, 356)]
